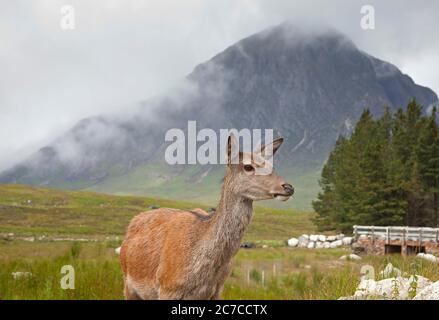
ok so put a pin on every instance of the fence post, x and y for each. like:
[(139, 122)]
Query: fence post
[(355, 233), (388, 235), (373, 235)]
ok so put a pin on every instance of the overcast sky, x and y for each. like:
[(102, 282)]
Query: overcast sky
[(123, 51)]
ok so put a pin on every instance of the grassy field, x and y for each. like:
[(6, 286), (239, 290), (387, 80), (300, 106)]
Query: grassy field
[(30, 211), (271, 272)]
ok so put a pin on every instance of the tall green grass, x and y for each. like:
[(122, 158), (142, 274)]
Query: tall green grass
[(273, 273)]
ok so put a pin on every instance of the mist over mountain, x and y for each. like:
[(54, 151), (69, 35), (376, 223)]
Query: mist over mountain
[(309, 86)]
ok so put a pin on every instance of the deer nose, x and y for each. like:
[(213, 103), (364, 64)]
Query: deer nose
[(288, 188)]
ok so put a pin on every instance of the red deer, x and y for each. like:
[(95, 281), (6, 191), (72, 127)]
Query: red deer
[(176, 254)]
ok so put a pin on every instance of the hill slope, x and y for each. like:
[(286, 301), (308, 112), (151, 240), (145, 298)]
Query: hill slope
[(26, 210)]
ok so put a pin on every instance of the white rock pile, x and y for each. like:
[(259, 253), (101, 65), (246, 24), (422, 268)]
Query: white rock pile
[(320, 241), (396, 287)]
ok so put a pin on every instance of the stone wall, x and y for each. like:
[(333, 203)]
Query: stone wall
[(382, 246)]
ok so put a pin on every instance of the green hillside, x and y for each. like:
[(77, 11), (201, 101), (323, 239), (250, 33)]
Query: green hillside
[(29, 210), (200, 184)]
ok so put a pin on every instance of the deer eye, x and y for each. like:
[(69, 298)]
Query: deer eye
[(248, 168)]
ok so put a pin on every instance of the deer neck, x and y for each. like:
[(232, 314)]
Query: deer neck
[(228, 224)]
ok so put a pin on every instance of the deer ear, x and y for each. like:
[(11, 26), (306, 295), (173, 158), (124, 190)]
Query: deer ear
[(232, 150), (268, 150)]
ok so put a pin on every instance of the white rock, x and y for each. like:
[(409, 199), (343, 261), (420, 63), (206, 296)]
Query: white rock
[(336, 244), (389, 271), (428, 257), (21, 274), (340, 236), (350, 257), (331, 238), (311, 245), (303, 241), (347, 241), (391, 288), (388, 288), (365, 288), (322, 238), (117, 250), (314, 237), (319, 245), (421, 282), (304, 236), (293, 242), (430, 292), (326, 245), (303, 244)]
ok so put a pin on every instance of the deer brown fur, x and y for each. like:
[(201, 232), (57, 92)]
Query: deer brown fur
[(176, 254)]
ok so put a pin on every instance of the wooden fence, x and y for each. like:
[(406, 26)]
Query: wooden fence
[(403, 234)]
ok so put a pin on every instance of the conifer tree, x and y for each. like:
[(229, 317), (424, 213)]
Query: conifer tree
[(428, 163), (385, 173)]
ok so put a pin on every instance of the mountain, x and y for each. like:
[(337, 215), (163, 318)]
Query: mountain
[(308, 86)]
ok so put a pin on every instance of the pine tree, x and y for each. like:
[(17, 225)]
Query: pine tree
[(428, 163), (385, 173), (328, 203)]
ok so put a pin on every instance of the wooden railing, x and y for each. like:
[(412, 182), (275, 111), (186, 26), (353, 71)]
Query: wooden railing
[(418, 234)]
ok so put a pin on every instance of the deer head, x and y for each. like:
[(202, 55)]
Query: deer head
[(250, 174)]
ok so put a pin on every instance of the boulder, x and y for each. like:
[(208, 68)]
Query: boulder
[(303, 241), (303, 244), (347, 241), (390, 271), (391, 288), (319, 245), (326, 245), (340, 236), (293, 242), (311, 245), (428, 257), (331, 238), (314, 237), (336, 244), (350, 257), (430, 292)]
